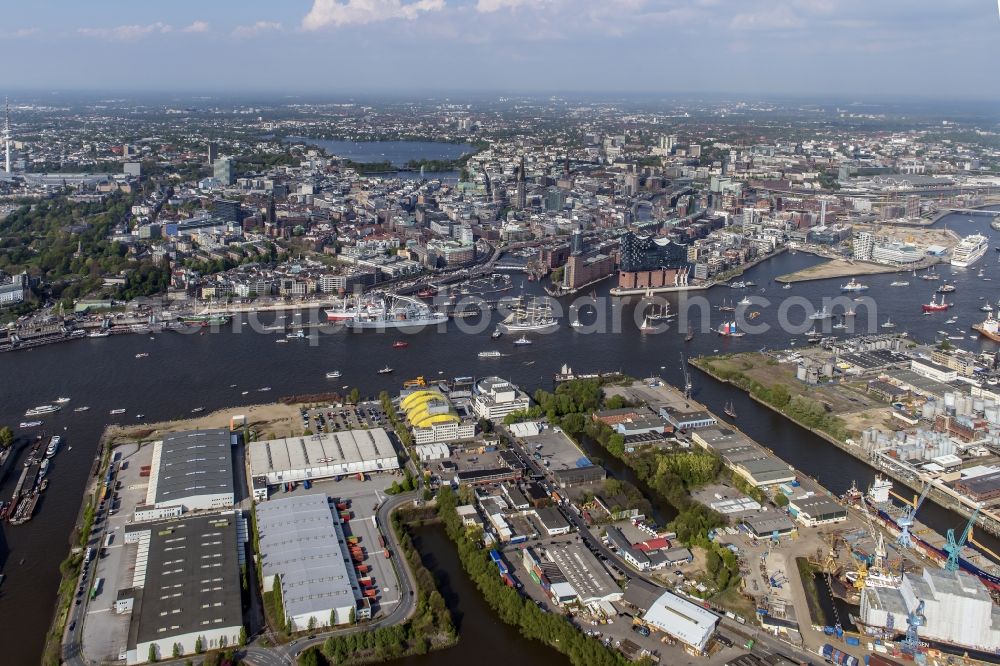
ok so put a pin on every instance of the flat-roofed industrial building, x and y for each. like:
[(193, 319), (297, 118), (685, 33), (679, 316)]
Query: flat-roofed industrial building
[(322, 456), (185, 586), (192, 470), (302, 543)]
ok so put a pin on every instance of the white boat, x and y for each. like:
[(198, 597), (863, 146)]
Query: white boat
[(970, 250), (81, 409), (888, 324), (853, 285), (788, 285), (533, 315), (98, 334), (53, 446), (333, 374), (116, 411), (44, 469), (523, 340), (197, 410), (384, 310), (576, 323), (282, 341), (490, 354), (141, 355), (264, 388), (42, 409), (385, 371), (62, 401), (29, 424), (822, 313), (744, 301), (987, 308), (900, 283)]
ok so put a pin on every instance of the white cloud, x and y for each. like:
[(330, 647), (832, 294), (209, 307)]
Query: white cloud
[(256, 28), (197, 26), (336, 13), (127, 32), (490, 6), (20, 33)]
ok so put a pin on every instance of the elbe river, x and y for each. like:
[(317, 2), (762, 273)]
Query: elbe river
[(187, 371)]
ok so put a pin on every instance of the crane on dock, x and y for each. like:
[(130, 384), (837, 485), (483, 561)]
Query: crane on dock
[(905, 521), (954, 548), (914, 621)]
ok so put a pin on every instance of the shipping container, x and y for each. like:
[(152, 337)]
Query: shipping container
[(835, 656), (852, 640)]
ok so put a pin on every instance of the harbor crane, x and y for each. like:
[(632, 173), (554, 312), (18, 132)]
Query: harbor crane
[(954, 548), (905, 521), (914, 621)]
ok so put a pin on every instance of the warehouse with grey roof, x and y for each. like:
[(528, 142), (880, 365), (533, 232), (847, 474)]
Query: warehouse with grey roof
[(192, 470), (323, 456)]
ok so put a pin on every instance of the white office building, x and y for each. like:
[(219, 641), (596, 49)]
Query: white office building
[(494, 398)]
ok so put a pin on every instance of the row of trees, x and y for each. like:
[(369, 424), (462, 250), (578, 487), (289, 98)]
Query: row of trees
[(431, 626), (552, 629)]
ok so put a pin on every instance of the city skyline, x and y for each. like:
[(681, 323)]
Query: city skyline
[(801, 48)]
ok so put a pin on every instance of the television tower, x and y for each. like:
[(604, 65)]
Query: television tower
[(6, 135)]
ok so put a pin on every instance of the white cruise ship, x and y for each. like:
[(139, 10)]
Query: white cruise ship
[(970, 250), (383, 311)]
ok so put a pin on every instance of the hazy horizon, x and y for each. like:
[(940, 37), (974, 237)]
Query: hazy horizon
[(801, 48)]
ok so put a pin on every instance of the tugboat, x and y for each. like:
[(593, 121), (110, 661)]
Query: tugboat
[(523, 340), (936, 306), (853, 286), (989, 328)]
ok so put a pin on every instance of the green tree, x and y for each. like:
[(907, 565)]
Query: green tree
[(152, 656), (312, 622), (310, 657), (6, 437), (780, 499), (199, 645), (243, 636), (177, 650), (352, 616), (355, 396)]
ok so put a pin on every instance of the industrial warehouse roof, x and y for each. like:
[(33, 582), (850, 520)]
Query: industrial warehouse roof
[(192, 578), (328, 454), (681, 618), (192, 463), (590, 580), (300, 543)]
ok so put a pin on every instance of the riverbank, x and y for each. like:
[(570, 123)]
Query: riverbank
[(847, 445), (841, 268)]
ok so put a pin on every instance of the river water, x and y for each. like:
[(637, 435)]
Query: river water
[(187, 371), (397, 152)]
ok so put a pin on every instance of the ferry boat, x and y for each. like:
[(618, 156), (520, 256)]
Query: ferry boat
[(729, 330), (814, 336), (116, 411), (400, 344), (98, 334), (385, 371), (42, 409), (81, 409), (888, 324), (523, 340), (899, 283), (853, 285), (53, 446), (988, 328), (43, 469), (927, 541), (935, 305), (970, 250), (738, 285), (333, 374), (535, 315), (29, 424), (946, 288), (490, 354), (930, 275), (379, 311)]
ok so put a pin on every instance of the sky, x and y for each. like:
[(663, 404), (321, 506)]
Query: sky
[(936, 49)]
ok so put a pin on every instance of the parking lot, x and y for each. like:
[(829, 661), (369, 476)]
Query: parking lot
[(105, 633), (345, 417)]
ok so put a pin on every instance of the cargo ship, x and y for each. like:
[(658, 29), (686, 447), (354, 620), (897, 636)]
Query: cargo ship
[(206, 319), (380, 311), (970, 250), (989, 328), (925, 540)]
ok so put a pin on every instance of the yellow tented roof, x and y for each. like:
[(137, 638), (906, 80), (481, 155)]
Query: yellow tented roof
[(425, 420), (419, 398)]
